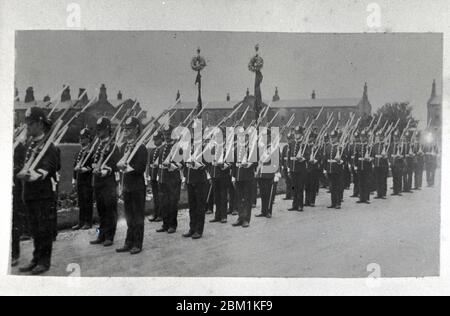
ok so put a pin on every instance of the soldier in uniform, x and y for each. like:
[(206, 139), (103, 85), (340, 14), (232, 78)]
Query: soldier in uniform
[(298, 169), (268, 175), (397, 163), (431, 153), (219, 171), (314, 171), (285, 155), (419, 165), (354, 151), (196, 178), (82, 182), (169, 180), (243, 177), (381, 163), (158, 140), (38, 194), (105, 183), (18, 207), (134, 185), (364, 170), (409, 164), (334, 169)]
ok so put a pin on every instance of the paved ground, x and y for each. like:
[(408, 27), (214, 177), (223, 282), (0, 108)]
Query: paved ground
[(401, 235)]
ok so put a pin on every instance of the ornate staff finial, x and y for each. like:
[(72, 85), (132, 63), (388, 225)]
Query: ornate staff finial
[(199, 50), (257, 48)]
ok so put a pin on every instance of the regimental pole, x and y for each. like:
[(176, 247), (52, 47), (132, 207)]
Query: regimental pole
[(198, 63), (255, 65)]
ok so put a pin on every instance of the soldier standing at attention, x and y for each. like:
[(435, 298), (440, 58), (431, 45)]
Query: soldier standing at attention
[(196, 178), (409, 164), (334, 170), (134, 186), (82, 182), (314, 172), (153, 169), (243, 177), (17, 225), (219, 170), (105, 183), (419, 162), (268, 176), (397, 163), (298, 169), (285, 166), (354, 150), (38, 194), (381, 163), (364, 170), (169, 180)]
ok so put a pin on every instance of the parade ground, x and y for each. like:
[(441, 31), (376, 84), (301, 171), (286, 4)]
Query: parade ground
[(401, 235)]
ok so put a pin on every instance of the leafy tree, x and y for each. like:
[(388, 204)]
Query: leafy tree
[(392, 112)]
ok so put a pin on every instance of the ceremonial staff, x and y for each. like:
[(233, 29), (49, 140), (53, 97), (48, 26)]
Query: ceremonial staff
[(255, 66)]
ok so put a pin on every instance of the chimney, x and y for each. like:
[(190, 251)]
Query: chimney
[(84, 99), (178, 97), (248, 92), (46, 98), (16, 94), (228, 97), (119, 96), (276, 97), (313, 95), (103, 96), (29, 96), (65, 96)]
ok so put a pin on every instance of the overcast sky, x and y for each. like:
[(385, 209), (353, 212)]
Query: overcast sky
[(152, 66)]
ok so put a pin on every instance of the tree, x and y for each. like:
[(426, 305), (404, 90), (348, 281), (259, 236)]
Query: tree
[(392, 112)]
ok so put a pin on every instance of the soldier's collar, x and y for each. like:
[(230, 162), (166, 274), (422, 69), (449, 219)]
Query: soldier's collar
[(38, 138)]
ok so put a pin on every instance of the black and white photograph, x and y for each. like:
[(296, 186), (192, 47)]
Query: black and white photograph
[(220, 153)]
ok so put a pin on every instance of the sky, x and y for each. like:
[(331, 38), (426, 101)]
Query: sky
[(152, 66)]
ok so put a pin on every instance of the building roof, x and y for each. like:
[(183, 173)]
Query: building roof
[(436, 100), (20, 105), (298, 103)]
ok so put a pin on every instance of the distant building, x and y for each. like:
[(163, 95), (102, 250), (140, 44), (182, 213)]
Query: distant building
[(434, 106), (102, 107), (302, 108)]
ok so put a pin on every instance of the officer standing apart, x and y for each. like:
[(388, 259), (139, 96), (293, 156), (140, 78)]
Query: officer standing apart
[(133, 185), (105, 183), (82, 182), (38, 193)]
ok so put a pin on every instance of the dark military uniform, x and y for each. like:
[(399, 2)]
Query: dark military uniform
[(354, 158), (299, 172), (85, 190), (266, 174), (105, 189), (398, 164), (409, 168), (134, 195), (39, 201), (197, 186), (313, 177), (381, 169), (169, 188), (221, 179), (18, 207), (334, 171), (364, 173), (244, 177), (419, 166), (153, 171), (285, 159)]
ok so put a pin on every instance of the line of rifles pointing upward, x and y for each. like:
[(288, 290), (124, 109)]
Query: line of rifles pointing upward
[(122, 160)]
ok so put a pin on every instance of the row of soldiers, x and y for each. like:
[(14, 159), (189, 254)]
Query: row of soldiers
[(367, 164), (106, 169)]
